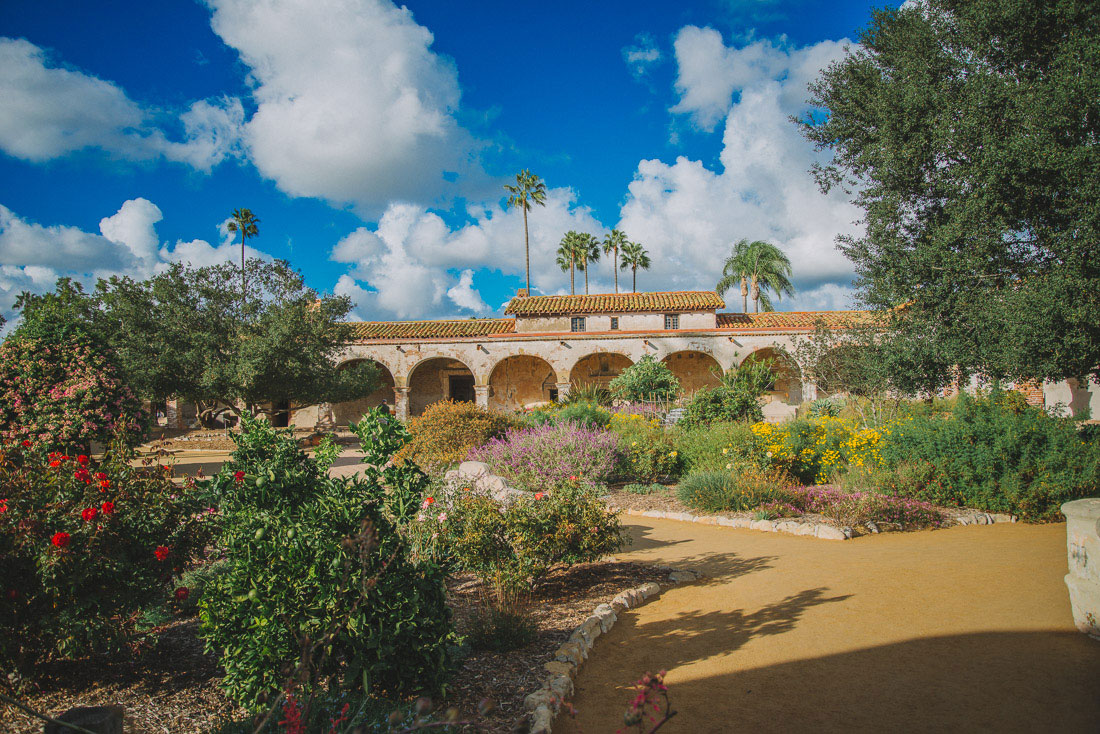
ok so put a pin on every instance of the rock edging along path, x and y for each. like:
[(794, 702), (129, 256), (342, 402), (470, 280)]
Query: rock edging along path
[(820, 530), (545, 703)]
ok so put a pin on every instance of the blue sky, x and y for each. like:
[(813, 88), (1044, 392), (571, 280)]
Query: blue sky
[(373, 141)]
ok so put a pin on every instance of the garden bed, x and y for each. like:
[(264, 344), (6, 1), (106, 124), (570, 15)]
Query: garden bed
[(168, 684), (667, 501)]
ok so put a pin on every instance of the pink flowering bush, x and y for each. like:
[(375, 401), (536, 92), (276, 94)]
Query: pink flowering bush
[(62, 393), (84, 547), (547, 456), (855, 509)]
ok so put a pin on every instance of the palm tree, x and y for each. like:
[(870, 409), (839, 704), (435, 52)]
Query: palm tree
[(612, 243), (529, 189), (244, 222), (588, 251), (758, 267), (568, 254), (634, 257)]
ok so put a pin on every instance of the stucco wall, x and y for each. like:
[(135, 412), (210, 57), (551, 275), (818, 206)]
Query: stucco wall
[(428, 383), (521, 381), (695, 370)]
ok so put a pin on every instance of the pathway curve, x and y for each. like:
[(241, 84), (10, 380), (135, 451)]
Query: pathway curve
[(963, 629)]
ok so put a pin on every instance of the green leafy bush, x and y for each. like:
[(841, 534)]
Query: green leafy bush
[(511, 547), (644, 488), (649, 452), (737, 398), (591, 393), (445, 433), (316, 571), (84, 547), (715, 447), (646, 379), (995, 454), (724, 491)]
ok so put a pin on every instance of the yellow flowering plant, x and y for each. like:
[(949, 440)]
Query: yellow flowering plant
[(649, 452), (815, 450)]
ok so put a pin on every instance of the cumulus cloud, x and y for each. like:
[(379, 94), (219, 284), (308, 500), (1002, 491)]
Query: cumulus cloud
[(642, 56), (352, 103), (34, 256), (688, 215), (407, 262), (50, 111)]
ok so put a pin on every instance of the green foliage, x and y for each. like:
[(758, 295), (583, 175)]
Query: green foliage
[(968, 132), (649, 452), (63, 391), (590, 393), (511, 547), (381, 436), (715, 447), (830, 407), (994, 454), (646, 379), (445, 433), (653, 488), (737, 398), (84, 547), (316, 571), (589, 414), (757, 267), (501, 630), (724, 491)]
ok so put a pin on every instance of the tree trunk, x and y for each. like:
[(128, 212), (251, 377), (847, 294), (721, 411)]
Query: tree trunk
[(616, 269), (586, 277), (527, 246), (244, 292), (634, 282), (744, 295), (755, 295), (572, 289)]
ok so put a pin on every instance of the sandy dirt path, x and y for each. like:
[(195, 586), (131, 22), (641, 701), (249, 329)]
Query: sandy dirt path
[(965, 629)]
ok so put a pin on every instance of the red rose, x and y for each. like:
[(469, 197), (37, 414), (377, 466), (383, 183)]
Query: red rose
[(108, 508), (100, 475), (60, 539), (238, 477), (82, 459), (161, 552), (26, 443), (182, 593), (89, 514), (3, 506), (573, 479), (55, 463), (105, 484)]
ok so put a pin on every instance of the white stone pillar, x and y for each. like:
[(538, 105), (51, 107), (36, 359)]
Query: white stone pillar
[(401, 403), (481, 396), (809, 391), (563, 390), (1083, 547), (326, 421)]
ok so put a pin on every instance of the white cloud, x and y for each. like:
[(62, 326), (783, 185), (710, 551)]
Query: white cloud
[(642, 56), (688, 215), (352, 104), (24, 243), (406, 262), (50, 111)]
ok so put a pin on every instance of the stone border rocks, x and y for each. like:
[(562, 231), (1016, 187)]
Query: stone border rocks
[(545, 703), (821, 530), (481, 479)]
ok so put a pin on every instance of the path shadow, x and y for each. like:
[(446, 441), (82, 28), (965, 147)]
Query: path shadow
[(994, 681)]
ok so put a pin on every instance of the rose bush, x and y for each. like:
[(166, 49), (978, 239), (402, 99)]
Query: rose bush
[(84, 547)]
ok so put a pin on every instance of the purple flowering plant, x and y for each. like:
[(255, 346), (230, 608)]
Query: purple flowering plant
[(548, 456)]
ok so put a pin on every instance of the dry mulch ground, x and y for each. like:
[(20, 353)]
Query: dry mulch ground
[(168, 685)]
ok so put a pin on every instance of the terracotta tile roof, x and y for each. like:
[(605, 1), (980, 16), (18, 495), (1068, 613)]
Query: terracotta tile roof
[(449, 329), (615, 303), (794, 320)]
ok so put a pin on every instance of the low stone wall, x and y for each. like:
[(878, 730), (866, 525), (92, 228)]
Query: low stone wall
[(1083, 548)]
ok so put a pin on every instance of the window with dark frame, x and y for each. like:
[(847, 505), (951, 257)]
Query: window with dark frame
[(576, 323), (672, 321), (614, 323)]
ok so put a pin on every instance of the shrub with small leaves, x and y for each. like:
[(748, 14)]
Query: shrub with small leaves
[(649, 452), (446, 432)]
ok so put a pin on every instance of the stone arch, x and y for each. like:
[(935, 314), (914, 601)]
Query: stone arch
[(521, 380), (695, 369), (786, 387), (352, 411), (598, 368), (439, 378)]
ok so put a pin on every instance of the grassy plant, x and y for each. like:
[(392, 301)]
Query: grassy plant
[(653, 488), (725, 491)]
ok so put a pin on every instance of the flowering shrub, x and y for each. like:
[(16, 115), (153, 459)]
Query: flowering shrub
[(62, 393), (855, 509), (584, 413), (717, 447), (510, 547), (446, 432), (84, 547), (311, 558), (547, 456), (815, 449), (648, 450), (997, 454)]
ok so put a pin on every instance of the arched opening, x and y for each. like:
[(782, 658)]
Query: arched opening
[(786, 385), (439, 378), (694, 370), (598, 369), (521, 381), (352, 411)]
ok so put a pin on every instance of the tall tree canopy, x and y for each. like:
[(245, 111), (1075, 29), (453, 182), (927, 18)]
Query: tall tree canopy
[(529, 189), (758, 267), (588, 252), (570, 252), (635, 257), (246, 223), (186, 333), (969, 132), (613, 244)]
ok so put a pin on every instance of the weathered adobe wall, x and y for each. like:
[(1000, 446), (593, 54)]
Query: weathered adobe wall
[(429, 384), (694, 370), (519, 382), (598, 369)]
